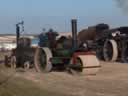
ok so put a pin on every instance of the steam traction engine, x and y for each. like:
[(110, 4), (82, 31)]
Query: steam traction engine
[(114, 44), (109, 44), (53, 54), (23, 54), (65, 53)]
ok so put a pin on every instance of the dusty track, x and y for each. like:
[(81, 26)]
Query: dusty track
[(111, 80)]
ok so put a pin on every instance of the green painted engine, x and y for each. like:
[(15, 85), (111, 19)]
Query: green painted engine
[(61, 48), (63, 53)]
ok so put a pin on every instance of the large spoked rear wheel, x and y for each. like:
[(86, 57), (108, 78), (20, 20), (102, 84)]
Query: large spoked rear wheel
[(42, 60), (110, 50)]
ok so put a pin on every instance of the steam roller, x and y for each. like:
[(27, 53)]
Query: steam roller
[(83, 62), (65, 56)]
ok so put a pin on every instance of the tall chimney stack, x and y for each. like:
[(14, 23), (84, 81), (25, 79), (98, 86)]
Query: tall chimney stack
[(74, 33)]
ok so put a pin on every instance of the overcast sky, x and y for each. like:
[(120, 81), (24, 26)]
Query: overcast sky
[(56, 14)]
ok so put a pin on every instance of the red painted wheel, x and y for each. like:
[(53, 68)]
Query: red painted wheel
[(89, 64)]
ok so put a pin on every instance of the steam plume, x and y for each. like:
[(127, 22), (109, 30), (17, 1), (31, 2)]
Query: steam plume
[(123, 4)]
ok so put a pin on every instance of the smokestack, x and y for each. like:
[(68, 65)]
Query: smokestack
[(18, 30), (123, 4), (17, 33), (74, 33)]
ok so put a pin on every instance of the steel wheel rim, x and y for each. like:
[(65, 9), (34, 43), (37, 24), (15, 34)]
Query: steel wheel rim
[(108, 51)]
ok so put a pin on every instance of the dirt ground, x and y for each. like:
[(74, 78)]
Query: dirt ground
[(111, 80)]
